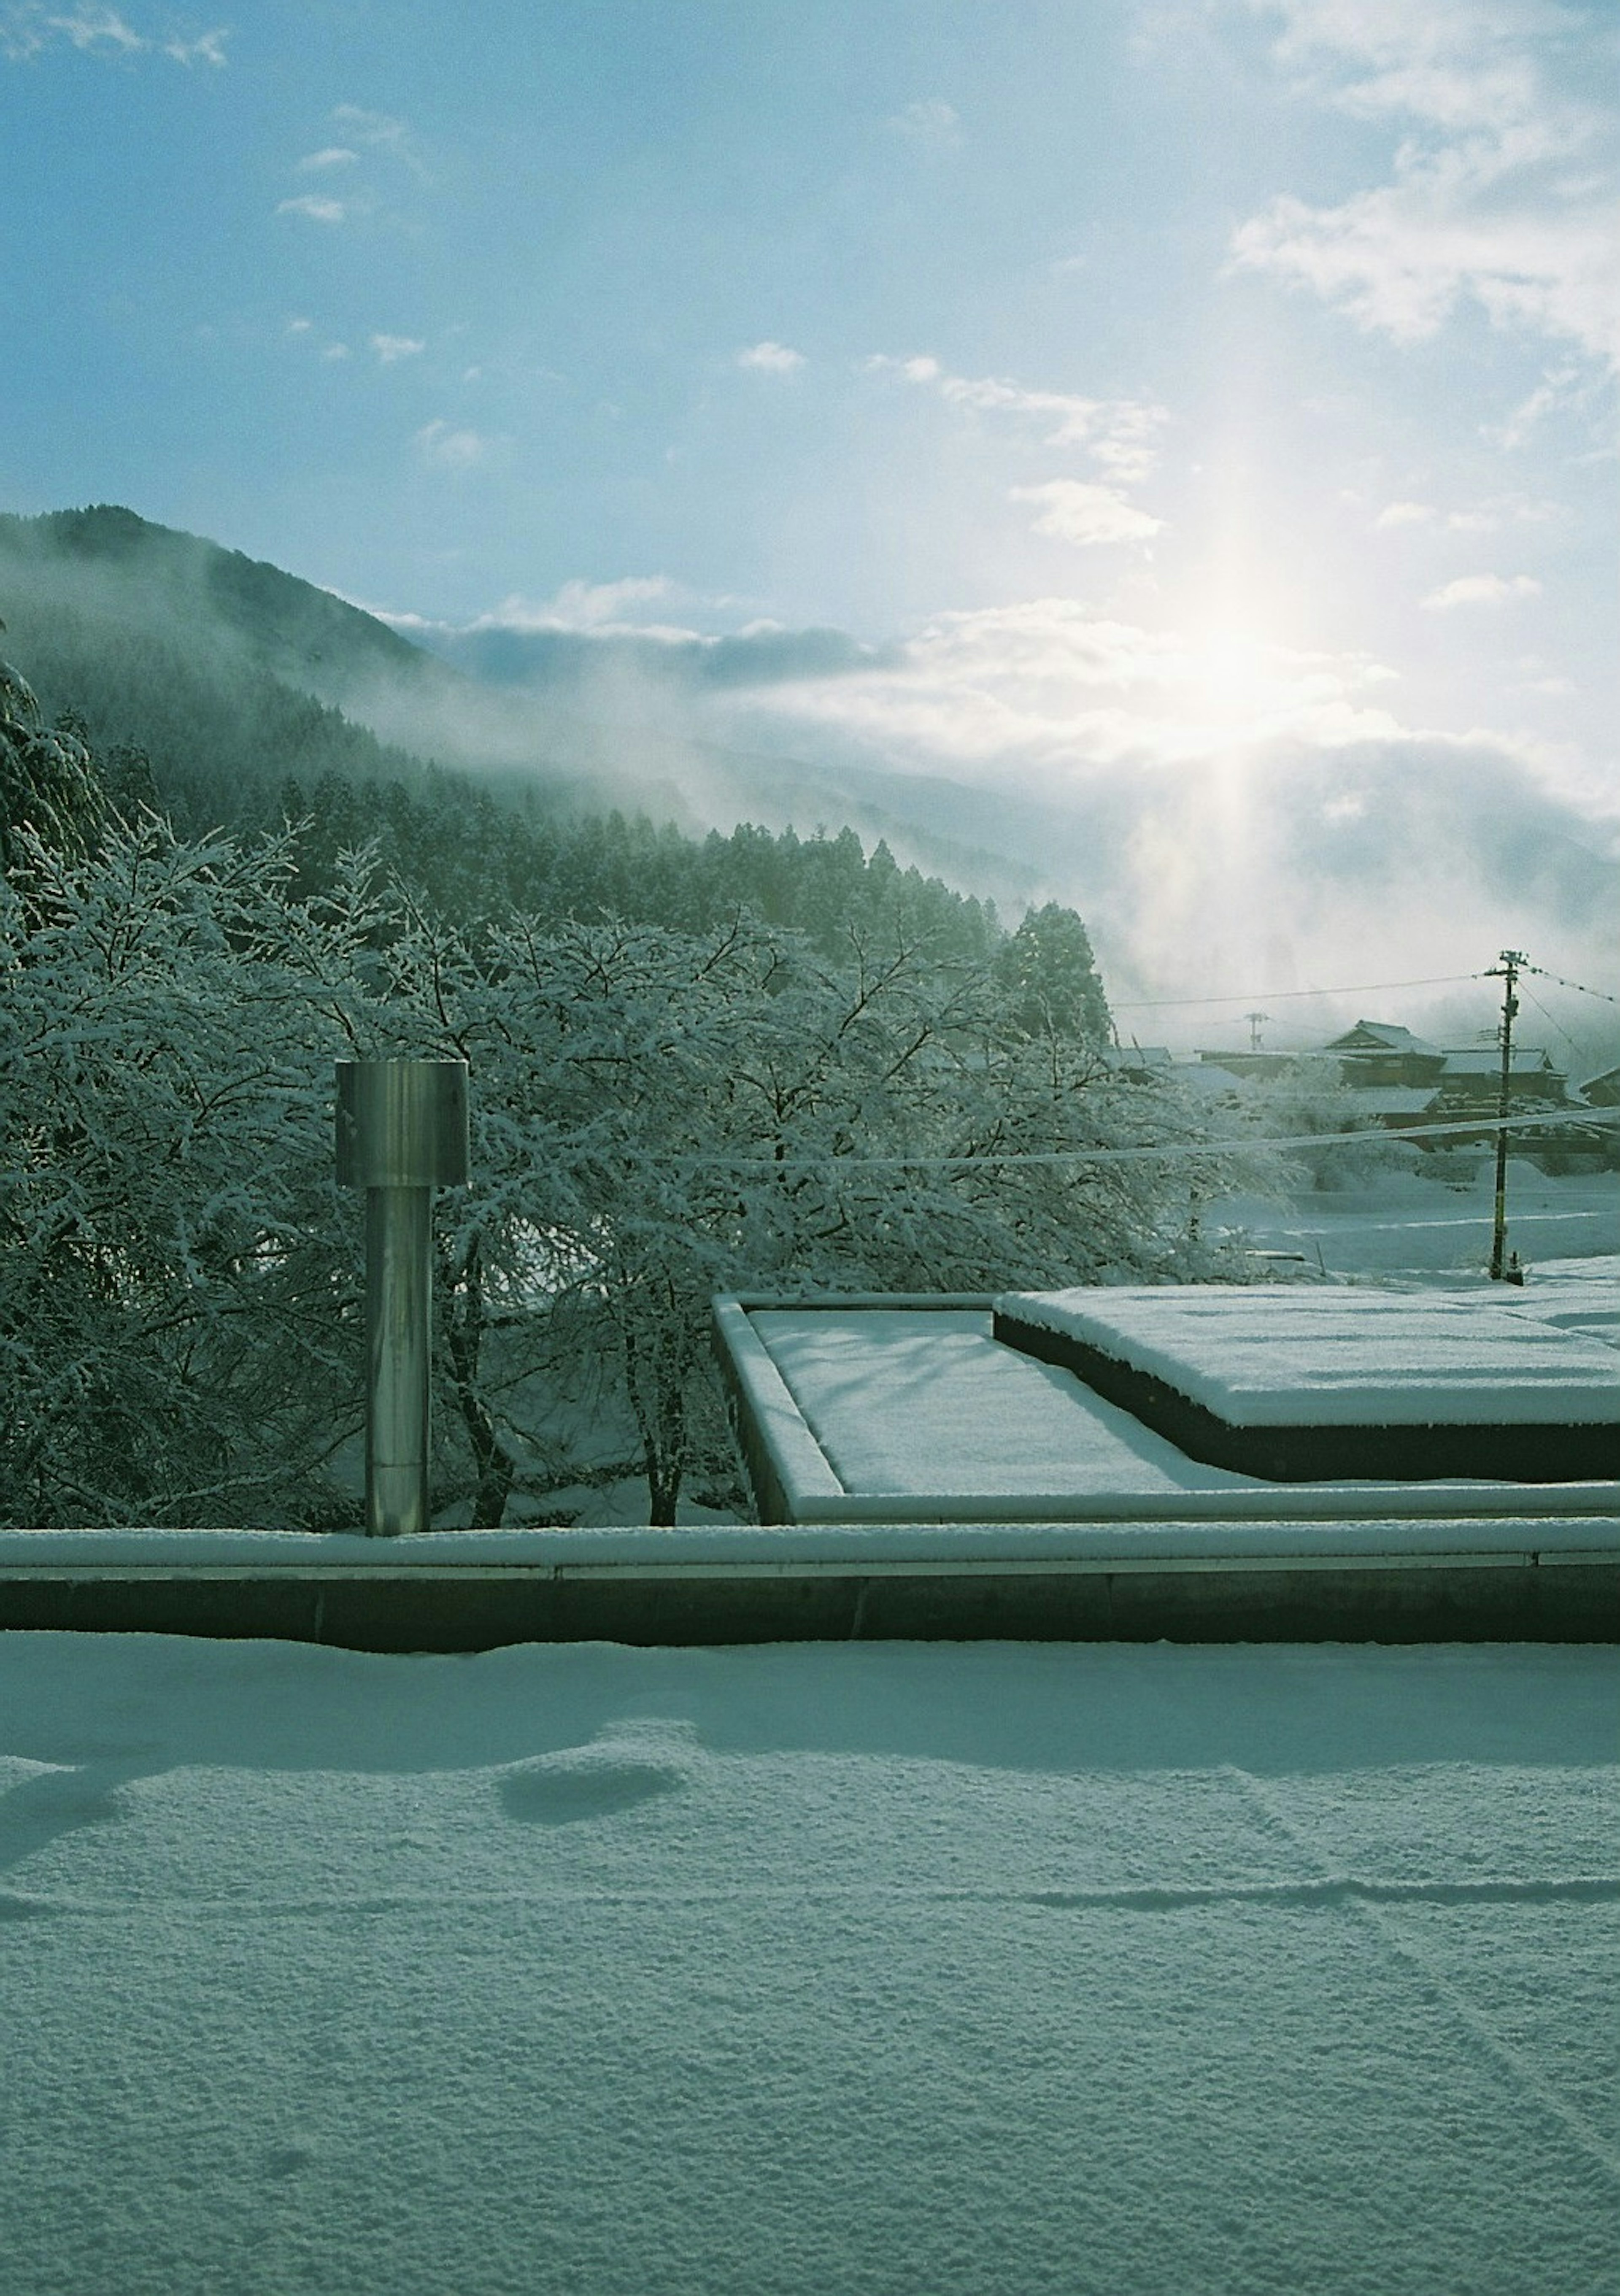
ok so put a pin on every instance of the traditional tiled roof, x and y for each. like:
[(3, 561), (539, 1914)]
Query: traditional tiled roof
[(1380, 1036)]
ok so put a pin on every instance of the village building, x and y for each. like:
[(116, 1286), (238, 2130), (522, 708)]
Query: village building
[(1404, 1080), (1377, 1053)]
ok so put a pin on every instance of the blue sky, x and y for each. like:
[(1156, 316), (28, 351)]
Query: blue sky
[(1133, 385)]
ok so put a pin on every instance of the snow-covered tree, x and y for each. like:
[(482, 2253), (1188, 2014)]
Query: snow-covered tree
[(177, 1278), (1048, 975), (48, 783), (658, 1115), (1310, 1098)]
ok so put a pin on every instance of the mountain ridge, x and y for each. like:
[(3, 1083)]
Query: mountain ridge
[(102, 578)]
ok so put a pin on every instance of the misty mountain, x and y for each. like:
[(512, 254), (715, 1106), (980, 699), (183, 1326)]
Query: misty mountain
[(206, 684), (1271, 869), (107, 564), (231, 674)]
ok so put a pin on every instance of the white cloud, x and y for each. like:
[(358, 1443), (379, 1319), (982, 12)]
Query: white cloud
[(334, 155), (207, 48), (389, 348), (1048, 687), (98, 27), (771, 358), (928, 121), (1458, 64), (1086, 514), (1508, 194), (317, 209), (1401, 259), (28, 26), (335, 351), (1479, 518), (1480, 590), (452, 449), (22, 33), (604, 607), (1077, 416), (300, 326), (1559, 387), (596, 610), (21, 38), (377, 131), (1122, 433), (379, 127)]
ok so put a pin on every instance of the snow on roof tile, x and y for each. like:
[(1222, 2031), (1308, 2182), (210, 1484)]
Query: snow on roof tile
[(1387, 1033)]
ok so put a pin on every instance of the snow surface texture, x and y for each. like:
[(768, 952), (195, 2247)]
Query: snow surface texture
[(902, 1402), (1278, 1356), (804, 1971), (1413, 1219)]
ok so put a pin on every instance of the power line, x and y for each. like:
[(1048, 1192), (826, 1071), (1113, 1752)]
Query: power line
[(1350, 988), (989, 1160), (1601, 993), (1553, 1019)]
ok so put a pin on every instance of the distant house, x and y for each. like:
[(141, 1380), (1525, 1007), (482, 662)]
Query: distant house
[(1401, 1080), (1411, 1080), (1139, 1064), (1378, 1052), (1258, 1065), (1471, 1081), (1602, 1091)]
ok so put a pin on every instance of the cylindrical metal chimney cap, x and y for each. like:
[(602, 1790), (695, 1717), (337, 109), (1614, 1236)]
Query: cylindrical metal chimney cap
[(401, 1124)]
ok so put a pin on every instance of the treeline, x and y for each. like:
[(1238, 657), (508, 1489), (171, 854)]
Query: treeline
[(473, 858), (242, 750), (214, 730)]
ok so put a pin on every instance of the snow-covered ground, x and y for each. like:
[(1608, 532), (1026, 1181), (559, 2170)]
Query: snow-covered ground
[(808, 1970), (1411, 1219)]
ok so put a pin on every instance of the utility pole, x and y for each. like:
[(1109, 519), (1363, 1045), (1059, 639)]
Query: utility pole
[(1254, 1020), (1506, 970)]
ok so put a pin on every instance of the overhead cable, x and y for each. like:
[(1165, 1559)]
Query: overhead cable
[(1601, 993), (1350, 988), (989, 1159)]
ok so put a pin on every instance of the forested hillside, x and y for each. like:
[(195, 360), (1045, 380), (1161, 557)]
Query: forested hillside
[(740, 1061), (230, 677)]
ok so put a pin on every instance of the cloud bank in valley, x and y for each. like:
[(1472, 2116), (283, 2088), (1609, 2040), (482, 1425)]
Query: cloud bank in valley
[(1230, 815)]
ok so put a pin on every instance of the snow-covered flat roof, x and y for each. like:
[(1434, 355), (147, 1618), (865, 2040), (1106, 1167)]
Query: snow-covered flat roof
[(1262, 1356), (901, 1401), (891, 1412)]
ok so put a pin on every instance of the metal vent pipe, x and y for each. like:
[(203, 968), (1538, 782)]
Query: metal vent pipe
[(401, 1132)]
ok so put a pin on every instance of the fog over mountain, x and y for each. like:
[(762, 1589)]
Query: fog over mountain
[(1315, 857), (1097, 772)]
